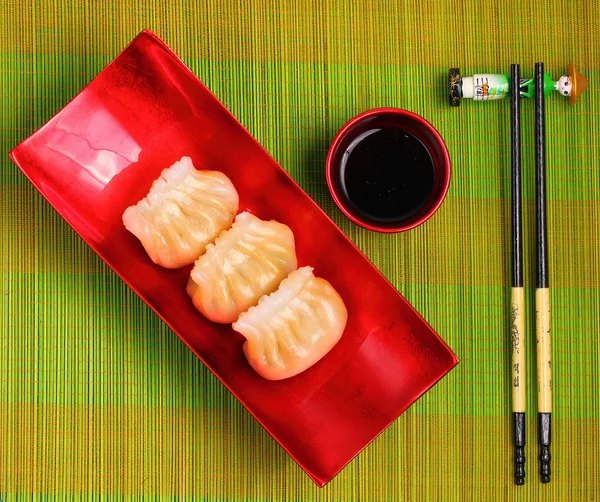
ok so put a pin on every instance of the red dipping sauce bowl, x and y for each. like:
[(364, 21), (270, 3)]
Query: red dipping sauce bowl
[(386, 120)]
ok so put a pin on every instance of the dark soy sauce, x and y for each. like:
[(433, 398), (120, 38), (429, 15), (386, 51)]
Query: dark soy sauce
[(387, 174)]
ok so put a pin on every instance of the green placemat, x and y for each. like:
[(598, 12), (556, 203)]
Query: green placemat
[(99, 399)]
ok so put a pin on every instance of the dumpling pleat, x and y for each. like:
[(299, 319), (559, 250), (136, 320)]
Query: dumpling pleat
[(247, 261), (294, 327), (184, 211)]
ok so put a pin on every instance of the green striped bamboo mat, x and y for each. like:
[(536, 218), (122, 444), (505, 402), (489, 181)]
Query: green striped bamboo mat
[(98, 399)]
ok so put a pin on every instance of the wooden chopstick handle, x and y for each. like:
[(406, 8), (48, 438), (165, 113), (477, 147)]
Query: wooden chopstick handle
[(544, 372), (544, 361), (518, 349)]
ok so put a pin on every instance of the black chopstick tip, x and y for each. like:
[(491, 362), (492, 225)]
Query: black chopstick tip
[(520, 465), (545, 464), (545, 439), (519, 442)]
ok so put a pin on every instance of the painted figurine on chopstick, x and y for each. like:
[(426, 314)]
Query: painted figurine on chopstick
[(484, 87)]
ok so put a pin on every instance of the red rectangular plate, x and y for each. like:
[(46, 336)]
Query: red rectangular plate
[(101, 153)]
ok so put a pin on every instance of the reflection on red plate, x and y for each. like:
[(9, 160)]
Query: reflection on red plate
[(101, 153)]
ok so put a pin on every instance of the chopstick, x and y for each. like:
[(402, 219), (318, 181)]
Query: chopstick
[(517, 295), (542, 292)]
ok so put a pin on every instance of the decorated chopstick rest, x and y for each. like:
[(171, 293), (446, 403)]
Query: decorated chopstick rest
[(488, 86)]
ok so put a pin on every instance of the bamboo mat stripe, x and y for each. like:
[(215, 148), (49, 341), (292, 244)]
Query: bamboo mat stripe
[(100, 401)]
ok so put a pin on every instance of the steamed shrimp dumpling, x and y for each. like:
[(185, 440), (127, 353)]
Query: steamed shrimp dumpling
[(246, 262), (185, 210), (293, 328)]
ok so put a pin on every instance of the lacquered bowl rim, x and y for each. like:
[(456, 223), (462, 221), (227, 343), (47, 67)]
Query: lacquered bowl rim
[(339, 199)]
